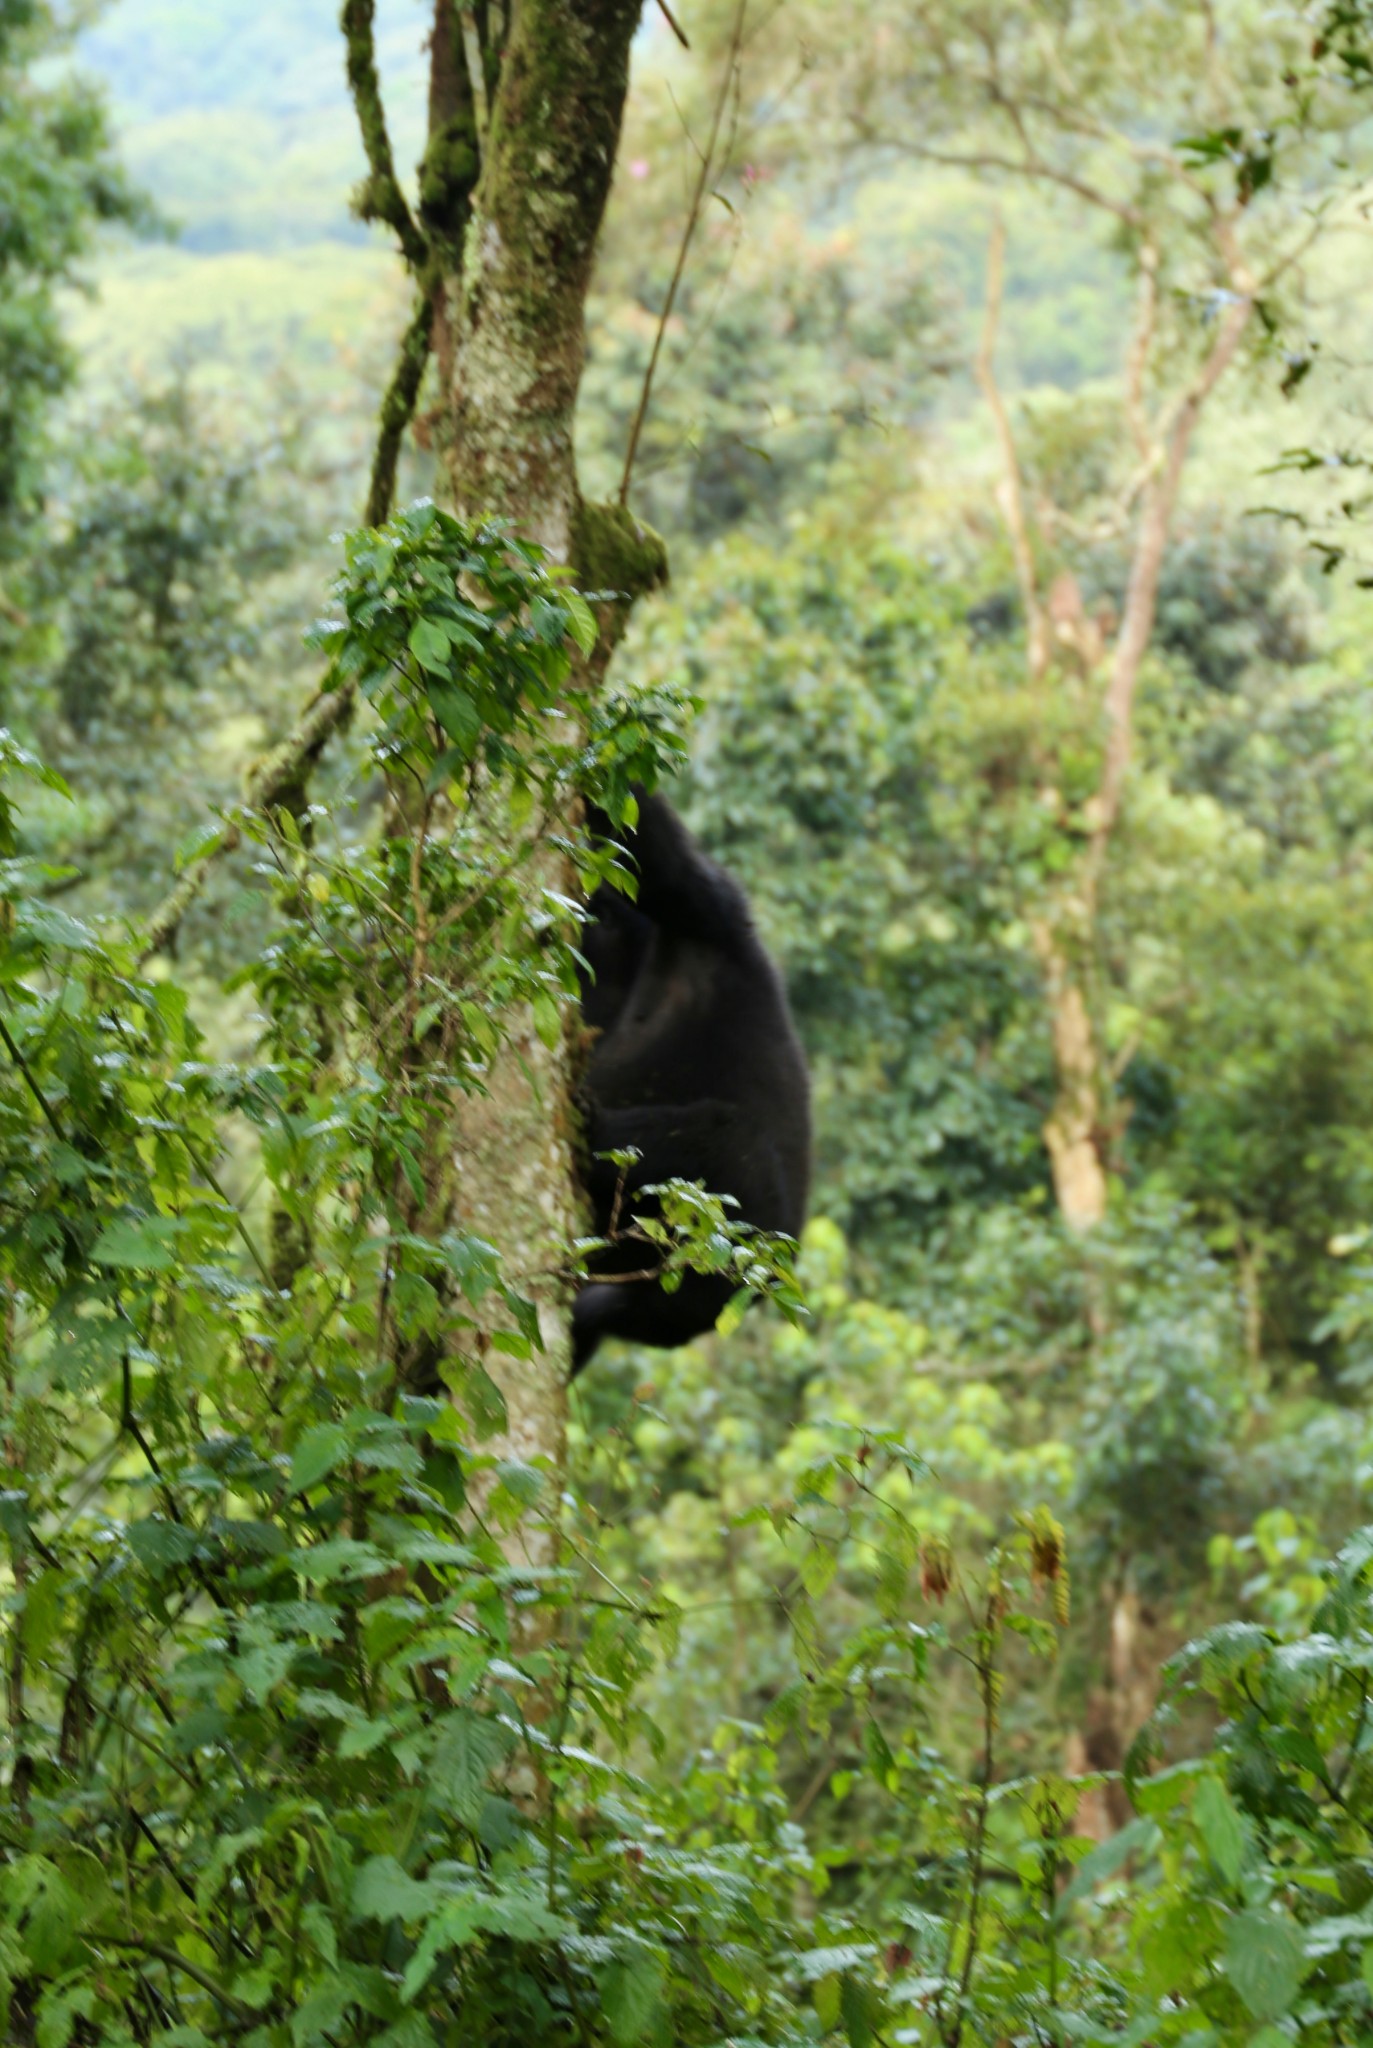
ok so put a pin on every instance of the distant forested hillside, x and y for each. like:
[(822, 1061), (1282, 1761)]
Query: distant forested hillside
[(236, 115)]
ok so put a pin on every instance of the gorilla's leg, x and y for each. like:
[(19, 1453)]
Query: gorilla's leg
[(675, 1141), (639, 1312), (678, 1141)]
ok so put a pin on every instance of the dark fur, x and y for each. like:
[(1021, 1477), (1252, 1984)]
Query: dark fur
[(695, 1062)]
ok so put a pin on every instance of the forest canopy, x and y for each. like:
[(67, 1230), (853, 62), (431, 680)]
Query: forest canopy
[(927, 442)]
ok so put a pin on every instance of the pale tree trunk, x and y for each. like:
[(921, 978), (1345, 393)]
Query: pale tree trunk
[(509, 304), (1072, 1130), (1075, 1131), (525, 105)]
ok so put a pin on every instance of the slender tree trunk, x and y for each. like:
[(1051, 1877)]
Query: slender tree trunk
[(509, 299), (1073, 1128), (1010, 495)]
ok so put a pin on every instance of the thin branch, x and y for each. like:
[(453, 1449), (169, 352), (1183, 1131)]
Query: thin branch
[(1137, 362), (688, 232), (1011, 495), (176, 1961), (274, 776), (49, 1115), (474, 49), (1141, 601), (379, 197), (670, 18), (1029, 166), (398, 409)]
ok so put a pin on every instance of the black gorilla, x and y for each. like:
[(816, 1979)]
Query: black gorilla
[(694, 1061)]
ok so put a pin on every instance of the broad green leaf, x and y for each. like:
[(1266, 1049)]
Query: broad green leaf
[(469, 1748), (52, 1911), (318, 1452), (145, 1242), (197, 844), (59, 2013), (261, 1670), (732, 1314), (1136, 1838), (382, 1890), (547, 1018), (1264, 1961), (632, 1996), (429, 645), (160, 1545), (818, 1568), (458, 716), (343, 1557), (1220, 1827), (581, 620), (856, 2011), (223, 1858), (825, 1993)]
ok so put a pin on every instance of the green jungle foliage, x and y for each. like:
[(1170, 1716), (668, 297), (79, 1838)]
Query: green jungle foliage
[(58, 177), (289, 1760), (803, 1739)]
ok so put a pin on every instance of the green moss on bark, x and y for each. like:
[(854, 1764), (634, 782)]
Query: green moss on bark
[(614, 551)]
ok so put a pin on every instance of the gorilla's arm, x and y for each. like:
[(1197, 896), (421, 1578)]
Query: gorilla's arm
[(680, 888)]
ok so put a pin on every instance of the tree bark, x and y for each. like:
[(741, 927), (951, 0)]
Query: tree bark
[(509, 297), (1072, 1130)]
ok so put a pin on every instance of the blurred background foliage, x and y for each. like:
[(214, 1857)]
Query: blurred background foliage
[(1188, 1388)]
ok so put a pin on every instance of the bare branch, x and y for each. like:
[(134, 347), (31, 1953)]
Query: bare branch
[(1030, 166), (1137, 361), (670, 18), (273, 778), (379, 197), (1141, 600), (688, 232), (398, 409)]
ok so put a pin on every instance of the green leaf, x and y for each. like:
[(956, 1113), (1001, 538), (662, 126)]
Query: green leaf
[(732, 1314), (52, 1911), (318, 1452), (429, 645), (197, 844), (60, 2012), (825, 1994), (362, 1737), (632, 1996), (382, 1890), (856, 2011), (161, 1545), (818, 1568), (581, 620), (343, 1557), (469, 1748), (517, 1915), (145, 1242), (547, 1018), (1265, 1962), (260, 1671), (1137, 1837), (1220, 1827), (458, 716), (223, 1858)]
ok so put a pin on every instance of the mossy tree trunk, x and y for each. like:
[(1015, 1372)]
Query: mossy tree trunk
[(526, 102)]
